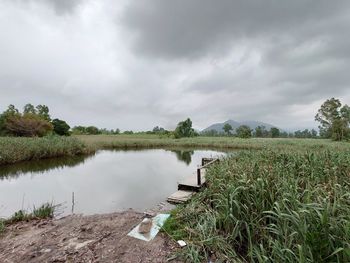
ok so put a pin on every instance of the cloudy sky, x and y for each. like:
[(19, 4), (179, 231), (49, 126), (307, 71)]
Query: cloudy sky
[(138, 64)]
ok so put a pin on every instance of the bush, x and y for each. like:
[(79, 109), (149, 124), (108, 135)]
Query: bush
[(28, 125), (60, 127)]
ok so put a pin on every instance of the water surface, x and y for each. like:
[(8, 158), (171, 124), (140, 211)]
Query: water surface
[(109, 181)]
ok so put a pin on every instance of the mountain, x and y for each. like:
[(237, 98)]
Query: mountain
[(235, 124)]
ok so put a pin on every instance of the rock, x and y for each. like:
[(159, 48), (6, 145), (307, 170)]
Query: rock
[(145, 226)]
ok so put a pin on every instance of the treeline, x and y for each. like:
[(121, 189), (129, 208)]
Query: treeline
[(334, 119), (31, 122), (92, 130), (245, 131)]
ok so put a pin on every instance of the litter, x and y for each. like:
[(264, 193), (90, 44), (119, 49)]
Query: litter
[(157, 222), (181, 243)]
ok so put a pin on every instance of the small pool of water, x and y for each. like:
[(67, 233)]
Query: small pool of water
[(107, 182)]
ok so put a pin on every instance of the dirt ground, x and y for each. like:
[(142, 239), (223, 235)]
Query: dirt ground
[(76, 238)]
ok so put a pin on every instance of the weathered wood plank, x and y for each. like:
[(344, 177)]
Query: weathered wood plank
[(188, 186), (190, 183), (180, 197)]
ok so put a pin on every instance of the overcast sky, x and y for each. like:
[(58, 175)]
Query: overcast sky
[(138, 64)]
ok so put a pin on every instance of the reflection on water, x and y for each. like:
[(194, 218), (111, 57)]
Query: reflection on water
[(185, 156), (40, 166), (106, 182)]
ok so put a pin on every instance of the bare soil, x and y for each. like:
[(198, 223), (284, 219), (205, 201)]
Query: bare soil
[(77, 238)]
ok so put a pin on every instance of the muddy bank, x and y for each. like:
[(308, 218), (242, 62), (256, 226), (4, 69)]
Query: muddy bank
[(76, 238)]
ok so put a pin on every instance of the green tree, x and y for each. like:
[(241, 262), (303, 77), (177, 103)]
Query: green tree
[(227, 128), (11, 111), (334, 119), (43, 112), (244, 131), (275, 132), (184, 129), (77, 130), (261, 131), (29, 108), (313, 133), (60, 127), (92, 130)]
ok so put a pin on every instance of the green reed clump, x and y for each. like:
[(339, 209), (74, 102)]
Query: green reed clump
[(15, 149), (270, 206), (42, 212), (45, 211)]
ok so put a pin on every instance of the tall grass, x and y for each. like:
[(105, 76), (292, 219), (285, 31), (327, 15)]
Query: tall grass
[(155, 141), (271, 206), (15, 149)]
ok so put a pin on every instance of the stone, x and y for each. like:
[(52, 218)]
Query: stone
[(145, 226)]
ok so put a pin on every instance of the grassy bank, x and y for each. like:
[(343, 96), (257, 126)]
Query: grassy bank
[(14, 149), (270, 206), (154, 141)]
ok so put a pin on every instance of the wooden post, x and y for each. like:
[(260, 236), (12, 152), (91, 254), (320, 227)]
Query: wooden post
[(199, 179)]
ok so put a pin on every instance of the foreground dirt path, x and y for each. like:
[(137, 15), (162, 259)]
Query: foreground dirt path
[(98, 238)]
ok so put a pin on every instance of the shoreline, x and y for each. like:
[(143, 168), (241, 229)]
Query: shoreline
[(80, 238)]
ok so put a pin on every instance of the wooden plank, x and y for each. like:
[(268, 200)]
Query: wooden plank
[(188, 186), (180, 197), (190, 183)]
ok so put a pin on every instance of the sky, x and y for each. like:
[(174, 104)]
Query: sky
[(134, 64)]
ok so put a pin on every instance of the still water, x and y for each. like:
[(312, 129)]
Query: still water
[(109, 181)]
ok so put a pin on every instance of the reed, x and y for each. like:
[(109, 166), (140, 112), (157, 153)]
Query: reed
[(154, 141), (271, 206), (16, 149)]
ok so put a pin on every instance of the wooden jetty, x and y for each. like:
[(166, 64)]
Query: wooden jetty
[(191, 184)]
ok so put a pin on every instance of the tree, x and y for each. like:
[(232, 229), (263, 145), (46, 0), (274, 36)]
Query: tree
[(43, 112), (244, 131), (60, 127), (261, 131), (27, 125), (275, 132), (29, 108), (11, 111), (334, 119), (79, 130), (158, 129), (92, 130), (227, 128), (313, 133), (184, 129)]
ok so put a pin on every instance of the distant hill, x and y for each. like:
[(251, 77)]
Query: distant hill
[(235, 124)]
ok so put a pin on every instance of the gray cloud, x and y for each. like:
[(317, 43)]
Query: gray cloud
[(60, 6), (139, 64), (187, 29)]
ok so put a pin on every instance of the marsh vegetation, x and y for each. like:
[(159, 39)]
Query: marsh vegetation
[(270, 206)]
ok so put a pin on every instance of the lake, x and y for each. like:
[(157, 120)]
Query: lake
[(108, 181)]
